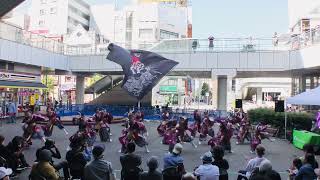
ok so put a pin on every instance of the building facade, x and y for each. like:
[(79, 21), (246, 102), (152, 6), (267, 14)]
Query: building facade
[(140, 25), (58, 17)]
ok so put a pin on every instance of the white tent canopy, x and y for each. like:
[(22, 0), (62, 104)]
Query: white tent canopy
[(311, 97)]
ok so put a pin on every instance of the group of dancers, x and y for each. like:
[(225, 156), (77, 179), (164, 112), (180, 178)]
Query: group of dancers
[(179, 130), (172, 129)]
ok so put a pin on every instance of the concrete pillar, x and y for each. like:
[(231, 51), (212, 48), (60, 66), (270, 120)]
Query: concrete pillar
[(214, 92), (80, 90), (259, 95), (222, 92), (312, 82), (302, 84)]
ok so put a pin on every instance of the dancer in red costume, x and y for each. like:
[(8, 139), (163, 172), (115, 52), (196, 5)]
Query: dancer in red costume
[(32, 130), (162, 128), (182, 133), (206, 128), (244, 131), (54, 120), (134, 132)]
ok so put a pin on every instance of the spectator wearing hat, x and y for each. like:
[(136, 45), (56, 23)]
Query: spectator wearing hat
[(98, 169), (253, 163), (152, 174), (5, 173), (130, 163), (55, 153), (207, 171), (174, 159), (223, 165), (43, 169)]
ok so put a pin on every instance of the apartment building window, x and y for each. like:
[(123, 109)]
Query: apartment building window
[(168, 35), (43, 1), (145, 33), (41, 23), (42, 12), (53, 10)]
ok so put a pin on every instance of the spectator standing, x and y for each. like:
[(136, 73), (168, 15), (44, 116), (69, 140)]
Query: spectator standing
[(207, 171), (219, 161), (55, 153), (98, 169), (275, 39), (195, 45), (153, 173), (253, 163), (5, 173), (211, 39), (12, 111), (76, 160), (130, 163), (306, 172), (43, 169)]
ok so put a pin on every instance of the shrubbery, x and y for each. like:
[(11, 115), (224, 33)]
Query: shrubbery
[(276, 119)]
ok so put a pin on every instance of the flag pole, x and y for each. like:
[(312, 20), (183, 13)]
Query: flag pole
[(139, 105)]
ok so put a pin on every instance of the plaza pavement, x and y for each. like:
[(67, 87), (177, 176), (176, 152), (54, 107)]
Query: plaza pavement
[(280, 153)]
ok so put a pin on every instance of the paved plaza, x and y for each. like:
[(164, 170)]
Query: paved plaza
[(280, 152)]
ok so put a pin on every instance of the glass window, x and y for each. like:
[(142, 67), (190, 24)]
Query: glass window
[(3, 65), (10, 67), (53, 10), (145, 33), (168, 35), (42, 12), (41, 23)]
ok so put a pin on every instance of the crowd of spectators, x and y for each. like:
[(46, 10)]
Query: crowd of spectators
[(84, 164)]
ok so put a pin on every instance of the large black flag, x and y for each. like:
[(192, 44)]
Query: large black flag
[(142, 69)]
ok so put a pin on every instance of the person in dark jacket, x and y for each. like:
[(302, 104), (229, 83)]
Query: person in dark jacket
[(130, 163), (98, 169), (76, 161), (219, 161), (153, 173), (15, 149), (55, 153), (306, 172)]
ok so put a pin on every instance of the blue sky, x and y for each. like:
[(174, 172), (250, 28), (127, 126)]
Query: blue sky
[(230, 18)]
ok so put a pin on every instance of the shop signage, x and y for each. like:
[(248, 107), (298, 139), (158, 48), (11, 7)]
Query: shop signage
[(168, 89), (19, 77), (4, 76)]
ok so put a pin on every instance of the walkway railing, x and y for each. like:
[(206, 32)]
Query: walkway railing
[(151, 113), (250, 44)]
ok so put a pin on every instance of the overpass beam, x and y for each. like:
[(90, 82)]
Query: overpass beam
[(80, 89), (222, 92)]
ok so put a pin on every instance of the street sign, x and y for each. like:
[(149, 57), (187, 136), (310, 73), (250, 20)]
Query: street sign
[(207, 94), (168, 89)]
